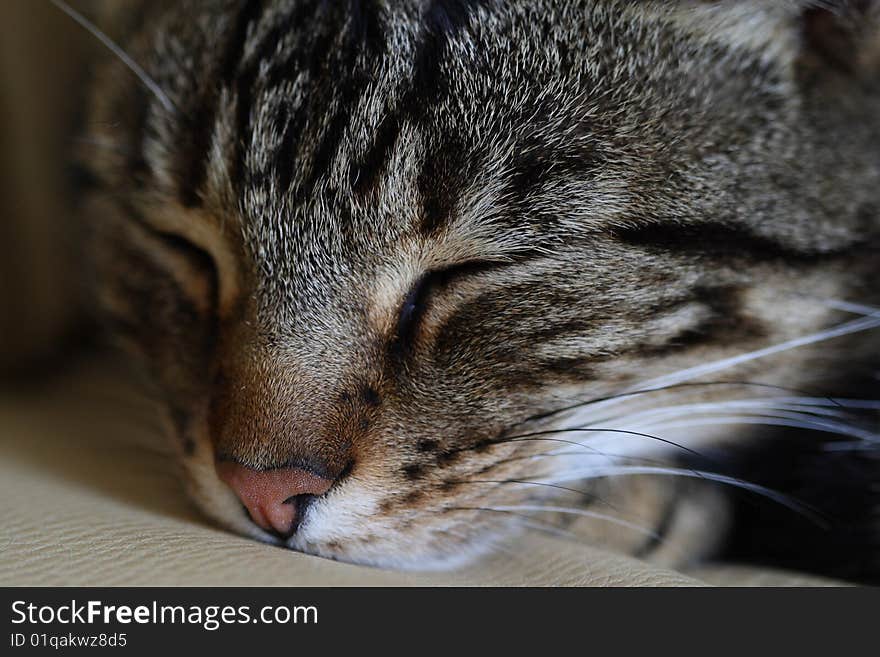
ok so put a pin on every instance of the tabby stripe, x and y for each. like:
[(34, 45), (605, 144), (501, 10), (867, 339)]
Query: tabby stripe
[(535, 165), (200, 124), (716, 240), (249, 14), (304, 58), (301, 57), (192, 167), (332, 135), (365, 175), (244, 85), (195, 255), (365, 31), (726, 323), (439, 182), (367, 24), (285, 160), (364, 25), (573, 368), (441, 22)]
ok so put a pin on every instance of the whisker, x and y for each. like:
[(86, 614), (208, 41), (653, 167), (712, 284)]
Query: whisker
[(618, 458), (673, 386), (793, 504), (494, 541), (680, 379), (531, 523), (133, 66), (539, 436), (571, 511), (501, 441), (523, 482), (846, 403), (849, 446), (781, 410), (595, 453), (638, 434), (771, 420), (799, 404), (870, 404), (846, 306), (847, 328)]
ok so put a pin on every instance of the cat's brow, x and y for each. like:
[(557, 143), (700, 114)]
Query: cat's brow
[(202, 230)]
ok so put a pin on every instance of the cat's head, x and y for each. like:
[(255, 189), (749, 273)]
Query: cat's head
[(369, 251)]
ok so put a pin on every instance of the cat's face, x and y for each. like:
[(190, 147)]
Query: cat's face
[(378, 246)]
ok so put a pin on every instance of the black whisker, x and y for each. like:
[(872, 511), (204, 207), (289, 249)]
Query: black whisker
[(535, 435)]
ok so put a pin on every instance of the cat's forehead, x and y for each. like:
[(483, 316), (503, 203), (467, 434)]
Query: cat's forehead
[(335, 255), (353, 159), (349, 150)]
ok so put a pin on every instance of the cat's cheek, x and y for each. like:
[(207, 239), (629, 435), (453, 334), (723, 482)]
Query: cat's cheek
[(360, 523), (212, 497)]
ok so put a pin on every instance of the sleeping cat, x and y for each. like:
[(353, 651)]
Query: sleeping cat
[(411, 277)]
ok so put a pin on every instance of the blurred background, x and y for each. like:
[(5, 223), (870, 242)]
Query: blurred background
[(44, 59)]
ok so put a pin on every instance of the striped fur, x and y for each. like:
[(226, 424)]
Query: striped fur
[(378, 240)]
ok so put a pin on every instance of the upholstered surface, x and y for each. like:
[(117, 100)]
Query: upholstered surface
[(89, 497)]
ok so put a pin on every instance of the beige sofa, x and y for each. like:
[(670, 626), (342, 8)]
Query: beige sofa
[(87, 496), (90, 498)]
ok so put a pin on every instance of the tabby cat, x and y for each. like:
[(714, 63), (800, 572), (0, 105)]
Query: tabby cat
[(414, 276)]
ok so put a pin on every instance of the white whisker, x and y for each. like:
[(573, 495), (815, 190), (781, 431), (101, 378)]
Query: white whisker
[(619, 471), (579, 512), (854, 326), (849, 446), (589, 413), (527, 522), (803, 415), (641, 418), (799, 412), (133, 66), (837, 401), (547, 528), (849, 306), (779, 421)]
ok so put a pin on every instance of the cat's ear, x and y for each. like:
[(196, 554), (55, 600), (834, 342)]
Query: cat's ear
[(820, 36)]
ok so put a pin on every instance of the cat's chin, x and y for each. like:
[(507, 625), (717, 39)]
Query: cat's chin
[(342, 528), (391, 555), (428, 546)]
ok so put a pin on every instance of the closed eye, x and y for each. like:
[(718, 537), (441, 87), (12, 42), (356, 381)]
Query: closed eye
[(191, 266), (427, 286)]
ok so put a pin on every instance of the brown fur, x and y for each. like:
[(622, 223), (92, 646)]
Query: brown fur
[(412, 227)]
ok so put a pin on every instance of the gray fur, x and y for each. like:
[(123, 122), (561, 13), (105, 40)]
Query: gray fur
[(598, 192)]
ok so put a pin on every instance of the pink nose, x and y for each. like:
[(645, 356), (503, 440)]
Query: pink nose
[(274, 498)]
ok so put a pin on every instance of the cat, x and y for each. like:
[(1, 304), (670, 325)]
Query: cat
[(414, 276)]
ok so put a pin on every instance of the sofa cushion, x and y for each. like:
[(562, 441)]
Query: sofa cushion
[(91, 498)]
